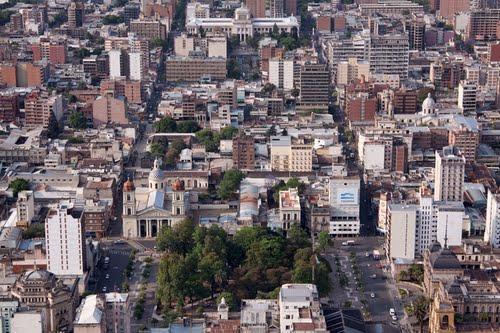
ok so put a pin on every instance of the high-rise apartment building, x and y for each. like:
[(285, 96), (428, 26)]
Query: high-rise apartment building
[(25, 208), (244, 152), (465, 139), (257, 8), (275, 8), (195, 68), (108, 109), (416, 32), (148, 29), (131, 90), (54, 52), (136, 68), (65, 241), (492, 230), (9, 107), (118, 64), (352, 69), (389, 54), (448, 8), (483, 24), (76, 12), (281, 73), (344, 206), (449, 173), (131, 12), (314, 87), (467, 95), (41, 109), (296, 300)]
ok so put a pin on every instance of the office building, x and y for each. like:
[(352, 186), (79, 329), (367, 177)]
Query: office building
[(41, 109), (131, 90), (136, 66), (467, 94), (53, 52), (300, 309), (9, 107), (290, 155), (64, 231), (244, 152), (148, 29), (465, 139), (390, 7), (281, 73), (352, 69), (194, 69), (360, 108), (275, 8), (118, 63), (76, 12), (483, 24), (97, 66), (449, 173), (448, 8), (257, 8), (404, 101), (25, 208), (131, 12), (183, 45), (314, 87), (492, 230), (389, 54), (344, 195), (108, 109), (7, 309), (415, 27)]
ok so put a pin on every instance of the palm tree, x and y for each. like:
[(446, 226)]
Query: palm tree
[(421, 310)]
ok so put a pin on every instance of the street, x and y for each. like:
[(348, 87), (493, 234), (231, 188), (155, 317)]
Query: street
[(112, 276)]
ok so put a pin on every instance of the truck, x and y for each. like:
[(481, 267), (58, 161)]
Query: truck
[(376, 254)]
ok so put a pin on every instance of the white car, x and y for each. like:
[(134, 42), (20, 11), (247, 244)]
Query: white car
[(394, 318), (392, 312), (107, 276), (372, 295), (104, 289)]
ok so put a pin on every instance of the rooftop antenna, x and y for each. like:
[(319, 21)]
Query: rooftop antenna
[(446, 234)]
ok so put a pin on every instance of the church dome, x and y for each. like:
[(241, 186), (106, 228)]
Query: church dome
[(242, 13), (429, 103), (37, 275), (128, 186), (156, 174)]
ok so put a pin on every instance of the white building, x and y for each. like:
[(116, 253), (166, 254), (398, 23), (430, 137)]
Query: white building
[(414, 228), (300, 309), (217, 47), (65, 240), (289, 201), (389, 54), (467, 94), (25, 208), (281, 73), (196, 10), (242, 25), (183, 44), (353, 69), (344, 206), (492, 231), (116, 69), (7, 310), (374, 155), (449, 173), (117, 312), (135, 66)]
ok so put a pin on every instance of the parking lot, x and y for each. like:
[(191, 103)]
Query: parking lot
[(375, 293)]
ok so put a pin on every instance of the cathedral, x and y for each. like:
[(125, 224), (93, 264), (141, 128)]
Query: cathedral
[(148, 209)]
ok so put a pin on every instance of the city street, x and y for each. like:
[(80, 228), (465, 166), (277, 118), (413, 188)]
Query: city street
[(113, 277), (374, 281)]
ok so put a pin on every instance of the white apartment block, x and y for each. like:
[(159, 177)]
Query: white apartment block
[(467, 95), (449, 173), (217, 47), (64, 234), (115, 64), (25, 208), (300, 309), (281, 73), (492, 231), (413, 228), (344, 206), (196, 10), (352, 69), (135, 66)]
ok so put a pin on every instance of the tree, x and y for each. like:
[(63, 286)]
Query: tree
[(209, 139), (112, 20), (403, 276), (421, 310), (166, 125), (82, 52), (233, 69), (77, 120), (289, 43), (229, 298), (188, 126), (213, 271), (323, 241), (35, 230), (178, 239), (5, 16), (18, 185), (230, 183), (157, 150), (228, 133)]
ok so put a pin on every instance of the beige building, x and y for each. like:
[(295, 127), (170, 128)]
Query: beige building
[(25, 208), (352, 69), (183, 44), (289, 208), (194, 69), (107, 109), (287, 155), (449, 174)]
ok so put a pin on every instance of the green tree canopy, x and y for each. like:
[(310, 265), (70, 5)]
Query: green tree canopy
[(18, 185), (77, 120), (230, 183), (166, 125)]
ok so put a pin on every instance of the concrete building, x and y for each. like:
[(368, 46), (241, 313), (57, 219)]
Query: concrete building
[(483, 24), (244, 153), (117, 312), (25, 207), (361, 108), (40, 109), (183, 44), (289, 208), (352, 69), (90, 316), (131, 11), (107, 109), (281, 73), (492, 230), (314, 87), (97, 217), (390, 7), (131, 90), (448, 8), (194, 69), (9, 107), (53, 52), (389, 54), (8, 307), (401, 227), (375, 155), (76, 12), (289, 155), (136, 66), (300, 309), (118, 64), (217, 47), (449, 173), (467, 95), (344, 195), (196, 10), (416, 32), (465, 139), (64, 231), (148, 29), (242, 25), (257, 8)]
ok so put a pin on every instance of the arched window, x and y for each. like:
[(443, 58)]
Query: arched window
[(129, 211), (445, 321), (128, 197)]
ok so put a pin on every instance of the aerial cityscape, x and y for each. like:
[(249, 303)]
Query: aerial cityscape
[(249, 166)]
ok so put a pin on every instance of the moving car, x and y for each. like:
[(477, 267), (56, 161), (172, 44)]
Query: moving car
[(392, 312), (372, 295), (394, 318)]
